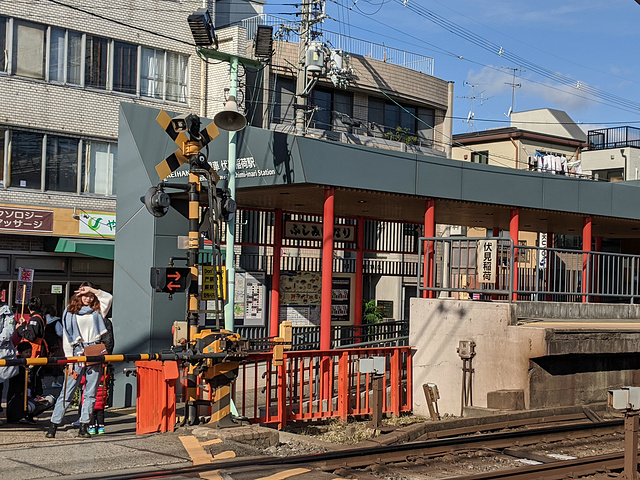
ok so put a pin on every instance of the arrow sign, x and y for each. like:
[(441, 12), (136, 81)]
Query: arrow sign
[(170, 279)]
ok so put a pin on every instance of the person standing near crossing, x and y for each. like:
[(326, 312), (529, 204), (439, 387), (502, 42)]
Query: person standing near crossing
[(83, 326)]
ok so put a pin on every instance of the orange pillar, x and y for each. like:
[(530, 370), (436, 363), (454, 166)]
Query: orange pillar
[(275, 278), (586, 247), (357, 311), (327, 269), (429, 231), (514, 230)]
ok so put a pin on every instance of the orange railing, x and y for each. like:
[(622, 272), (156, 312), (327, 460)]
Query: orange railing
[(320, 385)]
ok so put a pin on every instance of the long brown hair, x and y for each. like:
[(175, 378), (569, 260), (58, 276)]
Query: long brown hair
[(75, 304)]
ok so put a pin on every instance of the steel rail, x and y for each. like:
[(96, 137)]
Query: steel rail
[(559, 469), (361, 457)]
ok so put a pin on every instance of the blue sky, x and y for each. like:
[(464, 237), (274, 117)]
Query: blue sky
[(578, 56)]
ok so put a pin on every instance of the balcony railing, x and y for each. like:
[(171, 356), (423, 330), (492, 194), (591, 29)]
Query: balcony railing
[(615, 137), (354, 46), (542, 274)]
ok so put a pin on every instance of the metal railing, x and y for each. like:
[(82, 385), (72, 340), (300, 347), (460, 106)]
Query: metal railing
[(307, 337), (355, 46), (542, 274), (320, 385), (614, 137)]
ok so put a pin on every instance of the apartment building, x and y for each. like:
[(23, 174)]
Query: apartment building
[(65, 70)]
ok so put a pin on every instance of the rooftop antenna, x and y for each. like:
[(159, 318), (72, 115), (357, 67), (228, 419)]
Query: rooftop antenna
[(473, 98), (513, 86)]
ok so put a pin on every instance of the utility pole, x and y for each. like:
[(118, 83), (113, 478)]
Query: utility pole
[(301, 79), (513, 86)]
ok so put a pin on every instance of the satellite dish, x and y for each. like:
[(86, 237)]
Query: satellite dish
[(469, 117), (508, 114)]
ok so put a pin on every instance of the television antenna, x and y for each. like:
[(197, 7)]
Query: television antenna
[(473, 98), (513, 86)]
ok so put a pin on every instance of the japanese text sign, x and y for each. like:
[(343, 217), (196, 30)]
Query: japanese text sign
[(313, 231), (26, 220), (93, 224), (487, 255), (25, 284)]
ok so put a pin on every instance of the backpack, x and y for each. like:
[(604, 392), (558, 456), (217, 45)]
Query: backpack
[(39, 347)]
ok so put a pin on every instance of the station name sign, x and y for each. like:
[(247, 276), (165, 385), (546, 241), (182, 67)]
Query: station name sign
[(313, 231)]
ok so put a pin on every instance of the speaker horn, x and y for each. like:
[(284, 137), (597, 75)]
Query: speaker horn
[(229, 118)]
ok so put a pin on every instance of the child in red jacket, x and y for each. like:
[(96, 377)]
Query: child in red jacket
[(96, 425)]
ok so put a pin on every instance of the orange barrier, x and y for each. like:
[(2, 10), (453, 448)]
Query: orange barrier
[(156, 398), (320, 384)]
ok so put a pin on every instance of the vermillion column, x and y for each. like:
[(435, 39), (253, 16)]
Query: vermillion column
[(429, 231), (586, 247), (275, 278), (514, 230), (327, 269)]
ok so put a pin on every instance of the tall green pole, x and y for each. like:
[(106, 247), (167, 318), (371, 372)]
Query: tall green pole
[(231, 224)]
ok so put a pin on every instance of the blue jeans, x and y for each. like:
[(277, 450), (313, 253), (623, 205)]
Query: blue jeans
[(92, 374)]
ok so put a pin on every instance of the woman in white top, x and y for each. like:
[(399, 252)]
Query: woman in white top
[(83, 325)]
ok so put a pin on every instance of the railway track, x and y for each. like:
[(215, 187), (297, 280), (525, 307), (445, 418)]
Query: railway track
[(452, 442)]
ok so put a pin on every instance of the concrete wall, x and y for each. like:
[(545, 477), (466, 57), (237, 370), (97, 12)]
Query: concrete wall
[(575, 310), (501, 154), (611, 158), (502, 350)]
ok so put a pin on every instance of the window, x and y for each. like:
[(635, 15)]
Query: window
[(61, 164), (57, 55), (28, 50), (176, 77), (63, 56), (283, 109), (427, 121), (480, 157), (388, 116), (334, 110), (2, 136), (3, 44), (322, 112), (95, 62), (152, 73), (125, 67), (98, 168), (74, 59), (25, 162)]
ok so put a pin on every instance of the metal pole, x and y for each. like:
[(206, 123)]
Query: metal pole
[(231, 224), (301, 79)]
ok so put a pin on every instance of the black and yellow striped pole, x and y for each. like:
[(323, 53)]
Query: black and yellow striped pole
[(163, 357)]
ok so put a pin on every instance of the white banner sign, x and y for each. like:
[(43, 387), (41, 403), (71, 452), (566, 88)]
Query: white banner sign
[(487, 256), (93, 224)]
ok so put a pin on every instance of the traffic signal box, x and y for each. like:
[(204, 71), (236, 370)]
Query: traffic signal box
[(170, 279)]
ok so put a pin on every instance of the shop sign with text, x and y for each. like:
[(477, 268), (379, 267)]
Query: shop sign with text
[(94, 224), (26, 220), (313, 231)]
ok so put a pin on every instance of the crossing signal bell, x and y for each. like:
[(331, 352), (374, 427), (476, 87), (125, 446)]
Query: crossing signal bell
[(170, 279)]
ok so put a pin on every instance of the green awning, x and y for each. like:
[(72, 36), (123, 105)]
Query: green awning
[(92, 248)]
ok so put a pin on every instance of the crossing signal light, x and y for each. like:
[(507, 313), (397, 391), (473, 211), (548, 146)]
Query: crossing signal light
[(156, 201), (170, 279)]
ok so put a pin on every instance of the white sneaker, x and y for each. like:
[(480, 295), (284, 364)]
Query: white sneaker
[(56, 385)]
